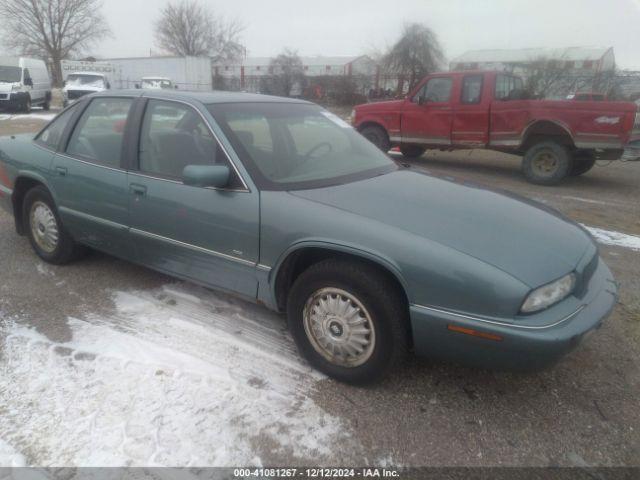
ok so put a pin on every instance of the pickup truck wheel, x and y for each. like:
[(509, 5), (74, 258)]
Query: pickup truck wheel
[(547, 163), (347, 321), (412, 151), (377, 136), (46, 233), (582, 164)]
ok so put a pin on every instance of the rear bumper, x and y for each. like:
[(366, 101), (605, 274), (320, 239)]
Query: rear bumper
[(521, 346)]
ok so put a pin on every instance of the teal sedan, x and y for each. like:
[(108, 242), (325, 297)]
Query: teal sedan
[(283, 203)]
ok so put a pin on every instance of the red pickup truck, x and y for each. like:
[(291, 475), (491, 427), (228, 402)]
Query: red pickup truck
[(480, 109)]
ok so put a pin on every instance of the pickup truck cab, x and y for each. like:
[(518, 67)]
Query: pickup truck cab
[(487, 109)]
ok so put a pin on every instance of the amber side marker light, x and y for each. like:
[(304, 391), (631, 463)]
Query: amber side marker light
[(474, 333)]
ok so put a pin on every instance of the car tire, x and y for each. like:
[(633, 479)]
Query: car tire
[(547, 163), (26, 107), (582, 163), (351, 298), (412, 151), (47, 235), (378, 136)]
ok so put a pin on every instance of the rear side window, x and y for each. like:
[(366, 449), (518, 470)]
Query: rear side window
[(99, 133), (471, 89), (436, 90), (506, 85), (51, 136)]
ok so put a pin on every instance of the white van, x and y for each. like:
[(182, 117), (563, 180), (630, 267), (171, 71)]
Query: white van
[(24, 82)]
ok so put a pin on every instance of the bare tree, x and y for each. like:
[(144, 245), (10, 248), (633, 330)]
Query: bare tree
[(416, 54), (52, 29), (190, 28), (547, 77), (286, 72)]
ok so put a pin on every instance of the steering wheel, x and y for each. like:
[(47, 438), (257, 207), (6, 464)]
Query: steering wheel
[(309, 154)]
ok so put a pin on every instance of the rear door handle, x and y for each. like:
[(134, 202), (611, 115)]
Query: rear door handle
[(62, 171), (138, 189)]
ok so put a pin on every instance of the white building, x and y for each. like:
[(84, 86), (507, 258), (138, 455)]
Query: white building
[(582, 68)]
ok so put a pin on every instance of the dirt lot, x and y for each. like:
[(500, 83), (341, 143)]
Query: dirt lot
[(104, 362)]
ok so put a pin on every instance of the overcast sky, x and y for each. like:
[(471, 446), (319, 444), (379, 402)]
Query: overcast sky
[(353, 27)]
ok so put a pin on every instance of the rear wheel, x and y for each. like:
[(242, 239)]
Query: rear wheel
[(546, 163), (378, 136), (412, 151), (46, 234), (582, 163), (348, 321)]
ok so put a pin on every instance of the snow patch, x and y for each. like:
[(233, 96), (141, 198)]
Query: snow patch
[(169, 379), (617, 239), (45, 117), (9, 457)]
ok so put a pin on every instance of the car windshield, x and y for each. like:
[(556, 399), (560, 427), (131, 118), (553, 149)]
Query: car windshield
[(76, 80), (291, 146), (10, 74)]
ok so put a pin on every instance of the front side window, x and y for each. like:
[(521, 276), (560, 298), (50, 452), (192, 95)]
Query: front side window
[(173, 136), (99, 133), (51, 136), (471, 89), (435, 90), (288, 146)]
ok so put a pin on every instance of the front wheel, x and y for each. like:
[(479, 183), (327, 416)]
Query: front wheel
[(378, 136), (546, 163), (46, 234), (26, 108), (412, 151), (348, 321)]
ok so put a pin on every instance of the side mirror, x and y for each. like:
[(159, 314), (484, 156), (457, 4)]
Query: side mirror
[(422, 100), (216, 176), (28, 82)]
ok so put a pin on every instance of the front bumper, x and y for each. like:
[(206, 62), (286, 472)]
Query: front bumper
[(12, 101), (522, 345)]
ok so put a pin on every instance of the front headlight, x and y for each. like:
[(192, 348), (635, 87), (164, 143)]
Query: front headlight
[(547, 295), (16, 88)]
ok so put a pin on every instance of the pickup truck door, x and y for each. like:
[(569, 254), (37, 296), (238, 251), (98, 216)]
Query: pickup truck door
[(427, 116), (88, 177), (207, 235), (471, 113)]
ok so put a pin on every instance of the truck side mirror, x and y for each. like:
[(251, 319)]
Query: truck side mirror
[(421, 100)]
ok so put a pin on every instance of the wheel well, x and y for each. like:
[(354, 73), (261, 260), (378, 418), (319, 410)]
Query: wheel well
[(372, 124), (300, 260), (21, 187), (545, 130)]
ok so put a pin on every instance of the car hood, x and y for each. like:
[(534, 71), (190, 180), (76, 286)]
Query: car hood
[(525, 239)]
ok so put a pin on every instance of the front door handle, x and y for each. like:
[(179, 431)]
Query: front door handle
[(62, 171), (138, 189)]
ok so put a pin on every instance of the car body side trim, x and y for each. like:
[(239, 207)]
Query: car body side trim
[(192, 247), (143, 233), (501, 324)]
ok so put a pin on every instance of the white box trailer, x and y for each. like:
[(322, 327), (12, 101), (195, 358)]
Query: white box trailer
[(186, 73)]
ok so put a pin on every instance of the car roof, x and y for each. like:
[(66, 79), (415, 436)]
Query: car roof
[(203, 97)]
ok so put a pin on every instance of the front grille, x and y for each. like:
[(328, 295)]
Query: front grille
[(73, 94)]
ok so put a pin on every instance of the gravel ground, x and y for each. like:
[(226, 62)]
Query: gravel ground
[(582, 412)]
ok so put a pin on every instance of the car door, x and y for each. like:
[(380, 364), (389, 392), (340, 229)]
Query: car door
[(205, 234), (89, 178), (471, 113), (427, 116)]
